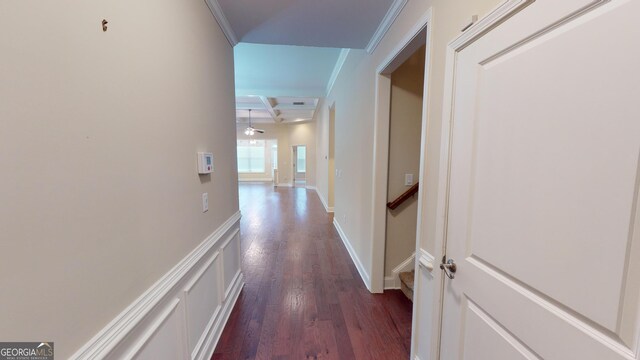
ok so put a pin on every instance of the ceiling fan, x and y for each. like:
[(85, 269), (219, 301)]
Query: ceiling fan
[(251, 130)]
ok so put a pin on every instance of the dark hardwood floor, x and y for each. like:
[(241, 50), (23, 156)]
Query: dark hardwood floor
[(303, 297)]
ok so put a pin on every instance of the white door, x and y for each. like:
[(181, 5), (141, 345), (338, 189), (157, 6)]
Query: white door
[(542, 218)]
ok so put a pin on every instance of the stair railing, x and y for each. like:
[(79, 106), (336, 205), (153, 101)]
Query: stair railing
[(404, 197)]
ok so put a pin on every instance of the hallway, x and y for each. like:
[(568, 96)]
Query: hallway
[(303, 297)]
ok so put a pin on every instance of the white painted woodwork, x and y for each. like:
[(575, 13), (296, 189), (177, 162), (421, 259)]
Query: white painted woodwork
[(181, 316), (425, 285), (230, 262), (203, 300), (161, 340), (543, 149)]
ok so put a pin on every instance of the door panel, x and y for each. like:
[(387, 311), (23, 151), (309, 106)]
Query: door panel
[(543, 187), (486, 339)]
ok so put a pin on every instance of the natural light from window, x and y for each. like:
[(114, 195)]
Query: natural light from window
[(302, 159), (251, 156)]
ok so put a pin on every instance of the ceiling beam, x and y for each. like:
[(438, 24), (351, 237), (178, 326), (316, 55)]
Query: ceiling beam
[(269, 107)]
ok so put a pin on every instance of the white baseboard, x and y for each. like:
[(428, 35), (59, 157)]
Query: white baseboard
[(285, 185), (256, 180), (361, 270), (180, 307), (390, 283), (393, 281), (311, 188), (327, 208)]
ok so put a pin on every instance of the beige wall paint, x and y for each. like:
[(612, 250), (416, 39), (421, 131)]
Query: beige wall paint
[(354, 96), (287, 136), (99, 194), (322, 150), (405, 126)]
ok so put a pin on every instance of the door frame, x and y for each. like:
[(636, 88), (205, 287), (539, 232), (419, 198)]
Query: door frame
[(498, 15), (294, 163), (418, 35)]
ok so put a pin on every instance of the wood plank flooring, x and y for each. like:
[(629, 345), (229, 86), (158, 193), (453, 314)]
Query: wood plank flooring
[(303, 297)]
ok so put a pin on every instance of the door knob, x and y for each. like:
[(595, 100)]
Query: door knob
[(449, 267)]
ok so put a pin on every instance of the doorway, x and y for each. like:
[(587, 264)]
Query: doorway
[(405, 122), (416, 39), (299, 171)]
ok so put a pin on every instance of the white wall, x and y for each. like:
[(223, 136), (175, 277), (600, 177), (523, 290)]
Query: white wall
[(287, 136), (98, 138), (354, 97)]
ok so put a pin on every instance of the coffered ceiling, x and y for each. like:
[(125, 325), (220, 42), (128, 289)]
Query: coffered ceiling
[(281, 110)]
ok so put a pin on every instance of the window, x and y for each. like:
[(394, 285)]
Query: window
[(302, 159), (251, 156), (274, 156)]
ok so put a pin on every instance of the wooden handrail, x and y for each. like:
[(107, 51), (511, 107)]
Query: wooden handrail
[(402, 198)]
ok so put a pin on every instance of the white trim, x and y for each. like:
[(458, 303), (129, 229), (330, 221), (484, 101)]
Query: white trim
[(385, 24), (187, 290), (153, 329), (487, 23), (285, 184), (256, 180), (229, 290), (426, 261), (380, 163), (390, 283), (336, 69), (327, 208), (407, 39), (353, 254), (103, 343), (393, 281), (222, 20), (215, 328), (311, 188), (407, 265)]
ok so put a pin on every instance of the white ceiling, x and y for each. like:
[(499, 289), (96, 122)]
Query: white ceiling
[(276, 70), (269, 110), (325, 23), (288, 50)]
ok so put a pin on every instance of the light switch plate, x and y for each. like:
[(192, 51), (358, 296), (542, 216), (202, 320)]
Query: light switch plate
[(205, 202), (408, 179)]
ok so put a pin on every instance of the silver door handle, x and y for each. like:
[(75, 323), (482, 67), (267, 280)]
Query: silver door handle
[(449, 268)]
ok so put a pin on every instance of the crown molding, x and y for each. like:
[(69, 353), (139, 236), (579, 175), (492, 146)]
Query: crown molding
[(386, 23), (222, 20), (336, 69)]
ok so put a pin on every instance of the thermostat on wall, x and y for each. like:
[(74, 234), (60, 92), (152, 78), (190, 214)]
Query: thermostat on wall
[(205, 163)]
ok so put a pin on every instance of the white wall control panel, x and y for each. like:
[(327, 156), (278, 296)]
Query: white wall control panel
[(205, 163)]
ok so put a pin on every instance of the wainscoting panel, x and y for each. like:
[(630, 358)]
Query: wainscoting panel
[(231, 262), (203, 301), (164, 339), (183, 314)]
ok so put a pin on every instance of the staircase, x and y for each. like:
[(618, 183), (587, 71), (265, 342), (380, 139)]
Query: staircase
[(406, 283)]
